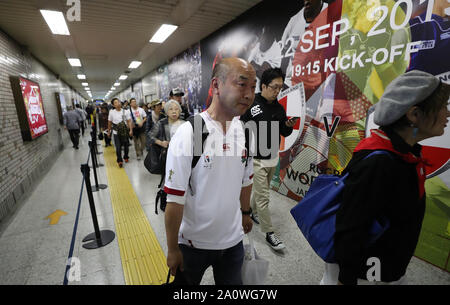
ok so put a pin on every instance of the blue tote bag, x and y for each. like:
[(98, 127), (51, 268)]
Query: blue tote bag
[(315, 214)]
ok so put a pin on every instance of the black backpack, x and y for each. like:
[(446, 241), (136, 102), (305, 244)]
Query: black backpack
[(122, 129), (161, 195)]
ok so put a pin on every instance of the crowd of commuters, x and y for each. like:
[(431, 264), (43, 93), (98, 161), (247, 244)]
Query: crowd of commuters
[(214, 197)]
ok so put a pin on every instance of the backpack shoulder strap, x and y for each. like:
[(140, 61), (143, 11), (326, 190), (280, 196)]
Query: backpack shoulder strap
[(247, 141), (379, 152), (204, 133), (132, 116)]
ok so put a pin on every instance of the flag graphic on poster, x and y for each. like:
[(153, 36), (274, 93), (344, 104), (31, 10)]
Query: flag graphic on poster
[(293, 102)]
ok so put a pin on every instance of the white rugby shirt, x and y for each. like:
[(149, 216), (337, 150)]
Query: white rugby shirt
[(210, 192)]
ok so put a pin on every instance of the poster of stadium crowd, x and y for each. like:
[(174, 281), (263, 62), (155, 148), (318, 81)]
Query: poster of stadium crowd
[(343, 53), (183, 71)]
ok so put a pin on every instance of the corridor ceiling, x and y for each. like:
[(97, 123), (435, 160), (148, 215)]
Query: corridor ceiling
[(112, 33)]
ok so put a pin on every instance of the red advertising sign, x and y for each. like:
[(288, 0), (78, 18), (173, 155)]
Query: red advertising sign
[(34, 107)]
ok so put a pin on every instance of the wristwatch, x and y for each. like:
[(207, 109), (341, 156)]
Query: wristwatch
[(246, 212)]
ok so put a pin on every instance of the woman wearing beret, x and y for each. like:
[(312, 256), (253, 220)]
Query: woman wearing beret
[(389, 186)]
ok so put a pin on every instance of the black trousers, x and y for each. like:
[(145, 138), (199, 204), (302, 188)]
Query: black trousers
[(82, 128), (118, 144), (226, 264), (74, 136), (107, 139)]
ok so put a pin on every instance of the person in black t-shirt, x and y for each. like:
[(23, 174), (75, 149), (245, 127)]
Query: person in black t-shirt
[(265, 111)]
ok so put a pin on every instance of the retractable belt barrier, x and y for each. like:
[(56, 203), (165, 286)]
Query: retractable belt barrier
[(98, 238)]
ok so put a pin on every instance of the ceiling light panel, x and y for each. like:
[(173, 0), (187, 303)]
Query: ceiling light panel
[(56, 22), (134, 64), (163, 33), (74, 62)]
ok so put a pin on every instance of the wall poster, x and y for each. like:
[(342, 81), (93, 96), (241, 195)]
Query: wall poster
[(61, 106), (30, 108), (345, 53)]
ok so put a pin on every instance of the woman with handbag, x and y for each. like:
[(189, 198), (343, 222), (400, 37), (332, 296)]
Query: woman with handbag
[(161, 134), (414, 107)]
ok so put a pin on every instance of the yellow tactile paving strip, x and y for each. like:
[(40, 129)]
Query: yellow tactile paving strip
[(143, 260)]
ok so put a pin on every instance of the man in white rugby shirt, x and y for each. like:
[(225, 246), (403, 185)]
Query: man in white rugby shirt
[(208, 206)]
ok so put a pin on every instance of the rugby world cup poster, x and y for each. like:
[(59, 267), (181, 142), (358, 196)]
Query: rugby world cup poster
[(344, 53)]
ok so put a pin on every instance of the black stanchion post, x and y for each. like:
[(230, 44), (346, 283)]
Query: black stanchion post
[(97, 186), (93, 156), (99, 238), (92, 135), (94, 139), (96, 133)]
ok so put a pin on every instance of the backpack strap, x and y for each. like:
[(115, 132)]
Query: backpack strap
[(378, 152), (247, 141), (204, 133), (132, 116)]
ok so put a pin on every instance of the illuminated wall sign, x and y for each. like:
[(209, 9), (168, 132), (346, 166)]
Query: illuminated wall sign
[(30, 108)]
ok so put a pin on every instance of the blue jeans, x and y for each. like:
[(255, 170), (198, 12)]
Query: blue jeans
[(226, 264)]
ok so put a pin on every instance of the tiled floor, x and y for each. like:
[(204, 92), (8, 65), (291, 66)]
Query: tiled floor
[(34, 252)]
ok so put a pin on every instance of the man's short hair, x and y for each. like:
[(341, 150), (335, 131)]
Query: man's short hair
[(269, 75), (221, 69)]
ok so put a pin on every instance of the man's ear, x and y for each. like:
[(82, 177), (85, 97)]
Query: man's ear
[(215, 85)]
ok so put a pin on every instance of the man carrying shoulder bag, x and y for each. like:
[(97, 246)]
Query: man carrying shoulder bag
[(120, 122)]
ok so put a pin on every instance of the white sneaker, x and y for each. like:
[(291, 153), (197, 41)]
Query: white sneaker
[(139, 158), (274, 241)]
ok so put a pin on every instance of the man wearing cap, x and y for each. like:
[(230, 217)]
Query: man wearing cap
[(389, 186), (156, 115), (177, 95)]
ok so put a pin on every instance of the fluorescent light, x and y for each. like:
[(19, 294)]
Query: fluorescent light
[(134, 64), (81, 76), (113, 88), (56, 22), (87, 89), (122, 77), (74, 62), (116, 84), (84, 84), (164, 31)]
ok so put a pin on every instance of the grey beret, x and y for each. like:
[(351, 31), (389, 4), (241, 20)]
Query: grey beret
[(402, 93)]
